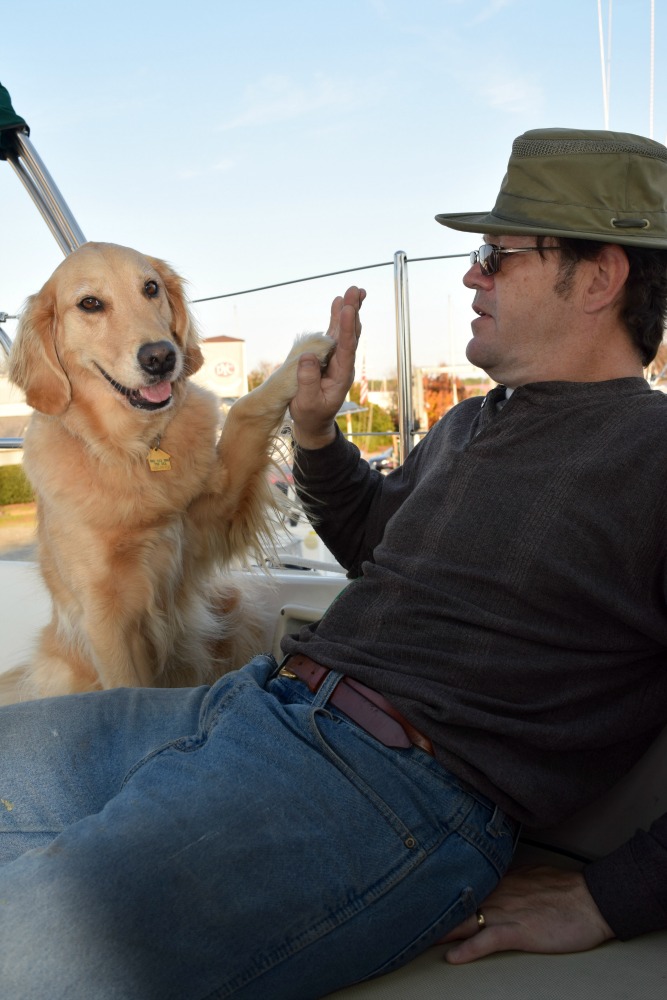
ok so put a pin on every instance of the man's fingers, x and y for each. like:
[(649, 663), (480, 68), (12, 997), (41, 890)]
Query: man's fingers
[(336, 307), (345, 314), (485, 942), (345, 330), (467, 929), (470, 941)]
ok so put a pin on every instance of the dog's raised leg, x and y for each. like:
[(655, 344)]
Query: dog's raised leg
[(239, 493)]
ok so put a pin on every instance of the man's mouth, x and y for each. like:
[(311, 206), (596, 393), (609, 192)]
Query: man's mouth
[(146, 397)]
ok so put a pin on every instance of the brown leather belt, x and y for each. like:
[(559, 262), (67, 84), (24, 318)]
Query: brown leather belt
[(362, 704)]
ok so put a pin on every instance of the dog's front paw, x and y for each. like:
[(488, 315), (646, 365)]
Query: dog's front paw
[(284, 378), (281, 386), (312, 343)]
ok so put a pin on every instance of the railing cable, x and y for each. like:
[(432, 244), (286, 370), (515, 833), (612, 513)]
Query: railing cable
[(329, 274)]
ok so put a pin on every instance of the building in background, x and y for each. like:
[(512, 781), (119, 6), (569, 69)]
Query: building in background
[(224, 370)]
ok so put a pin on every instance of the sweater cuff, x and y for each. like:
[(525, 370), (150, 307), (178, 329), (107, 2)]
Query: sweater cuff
[(625, 892), (316, 463)]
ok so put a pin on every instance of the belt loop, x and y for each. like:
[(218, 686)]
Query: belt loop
[(326, 689), (279, 667), (368, 708), (499, 820), (495, 825)]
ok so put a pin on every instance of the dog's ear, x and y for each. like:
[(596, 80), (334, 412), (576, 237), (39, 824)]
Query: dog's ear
[(184, 322), (34, 365)]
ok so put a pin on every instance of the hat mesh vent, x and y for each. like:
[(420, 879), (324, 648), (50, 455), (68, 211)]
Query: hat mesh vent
[(565, 147)]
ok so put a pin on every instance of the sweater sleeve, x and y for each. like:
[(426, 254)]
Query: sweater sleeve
[(629, 885), (347, 502), (336, 488)]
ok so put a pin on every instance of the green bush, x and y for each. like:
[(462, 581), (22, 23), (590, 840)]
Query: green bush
[(14, 486)]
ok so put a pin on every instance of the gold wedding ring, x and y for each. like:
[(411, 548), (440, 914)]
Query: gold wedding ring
[(481, 920)]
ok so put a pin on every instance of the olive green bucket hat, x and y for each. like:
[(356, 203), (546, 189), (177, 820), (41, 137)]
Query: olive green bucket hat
[(606, 186)]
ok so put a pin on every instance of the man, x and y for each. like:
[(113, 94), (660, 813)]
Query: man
[(497, 659)]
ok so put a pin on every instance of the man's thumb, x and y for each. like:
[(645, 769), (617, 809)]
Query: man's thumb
[(308, 370)]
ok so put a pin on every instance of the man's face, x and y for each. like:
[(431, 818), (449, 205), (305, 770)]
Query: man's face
[(524, 330)]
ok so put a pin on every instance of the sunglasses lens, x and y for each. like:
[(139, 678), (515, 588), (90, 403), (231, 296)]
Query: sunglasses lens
[(488, 260)]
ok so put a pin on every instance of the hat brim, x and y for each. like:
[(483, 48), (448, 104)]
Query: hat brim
[(486, 222)]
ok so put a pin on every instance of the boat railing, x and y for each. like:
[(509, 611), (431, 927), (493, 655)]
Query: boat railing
[(406, 414), (408, 429), (11, 444)]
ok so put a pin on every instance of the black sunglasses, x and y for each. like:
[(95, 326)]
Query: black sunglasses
[(489, 255)]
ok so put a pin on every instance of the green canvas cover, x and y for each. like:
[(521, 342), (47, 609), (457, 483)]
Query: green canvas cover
[(9, 122)]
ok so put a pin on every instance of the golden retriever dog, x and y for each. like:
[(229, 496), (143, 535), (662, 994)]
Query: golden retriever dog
[(140, 500)]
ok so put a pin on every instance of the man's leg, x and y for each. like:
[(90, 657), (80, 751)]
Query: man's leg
[(63, 758), (276, 851)]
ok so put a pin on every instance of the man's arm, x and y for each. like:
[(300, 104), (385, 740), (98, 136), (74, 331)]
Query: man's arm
[(630, 884), (336, 487)]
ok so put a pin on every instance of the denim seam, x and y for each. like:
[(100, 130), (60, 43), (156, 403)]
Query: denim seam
[(490, 848), (467, 902)]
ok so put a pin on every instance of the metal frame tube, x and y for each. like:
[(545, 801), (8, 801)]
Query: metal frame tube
[(404, 357), (54, 210), (5, 342), (44, 192)]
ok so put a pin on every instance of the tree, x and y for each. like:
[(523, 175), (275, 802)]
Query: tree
[(260, 374), (373, 419), (441, 392)]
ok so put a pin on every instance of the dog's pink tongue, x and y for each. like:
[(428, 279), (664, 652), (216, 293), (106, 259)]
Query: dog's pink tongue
[(156, 393)]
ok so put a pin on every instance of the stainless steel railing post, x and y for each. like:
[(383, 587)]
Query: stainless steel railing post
[(404, 357), (44, 192)]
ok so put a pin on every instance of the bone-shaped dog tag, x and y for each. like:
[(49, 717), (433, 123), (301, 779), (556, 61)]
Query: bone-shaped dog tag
[(158, 460)]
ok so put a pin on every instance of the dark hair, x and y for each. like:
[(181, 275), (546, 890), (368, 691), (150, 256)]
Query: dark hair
[(644, 308)]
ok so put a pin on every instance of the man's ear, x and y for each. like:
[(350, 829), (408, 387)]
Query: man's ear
[(607, 275)]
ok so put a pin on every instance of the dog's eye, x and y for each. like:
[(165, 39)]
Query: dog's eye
[(151, 288), (90, 304)]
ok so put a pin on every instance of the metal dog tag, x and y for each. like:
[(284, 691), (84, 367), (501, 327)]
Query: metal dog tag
[(158, 460)]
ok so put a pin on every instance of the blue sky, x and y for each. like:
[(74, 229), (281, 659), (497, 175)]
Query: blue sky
[(258, 141)]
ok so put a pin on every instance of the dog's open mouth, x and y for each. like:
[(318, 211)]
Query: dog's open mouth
[(146, 397)]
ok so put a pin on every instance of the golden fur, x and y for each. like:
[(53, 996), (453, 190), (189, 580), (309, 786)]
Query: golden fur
[(130, 556)]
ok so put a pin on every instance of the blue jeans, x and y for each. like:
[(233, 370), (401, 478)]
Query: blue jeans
[(244, 840)]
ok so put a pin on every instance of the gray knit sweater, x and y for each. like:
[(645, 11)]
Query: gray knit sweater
[(509, 595)]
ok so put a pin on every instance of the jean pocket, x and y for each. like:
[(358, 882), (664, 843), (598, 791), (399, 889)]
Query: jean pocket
[(360, 768)]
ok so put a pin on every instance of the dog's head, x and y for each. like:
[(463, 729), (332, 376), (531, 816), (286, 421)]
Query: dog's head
[(109, 320)]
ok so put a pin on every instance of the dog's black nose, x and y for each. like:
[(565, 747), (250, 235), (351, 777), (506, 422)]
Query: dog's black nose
[(157, 359)]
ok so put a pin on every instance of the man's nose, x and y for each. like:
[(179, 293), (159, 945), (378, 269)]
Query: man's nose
[(475, 277)]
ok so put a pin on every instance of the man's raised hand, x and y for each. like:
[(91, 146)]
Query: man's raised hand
[(321, 394)]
